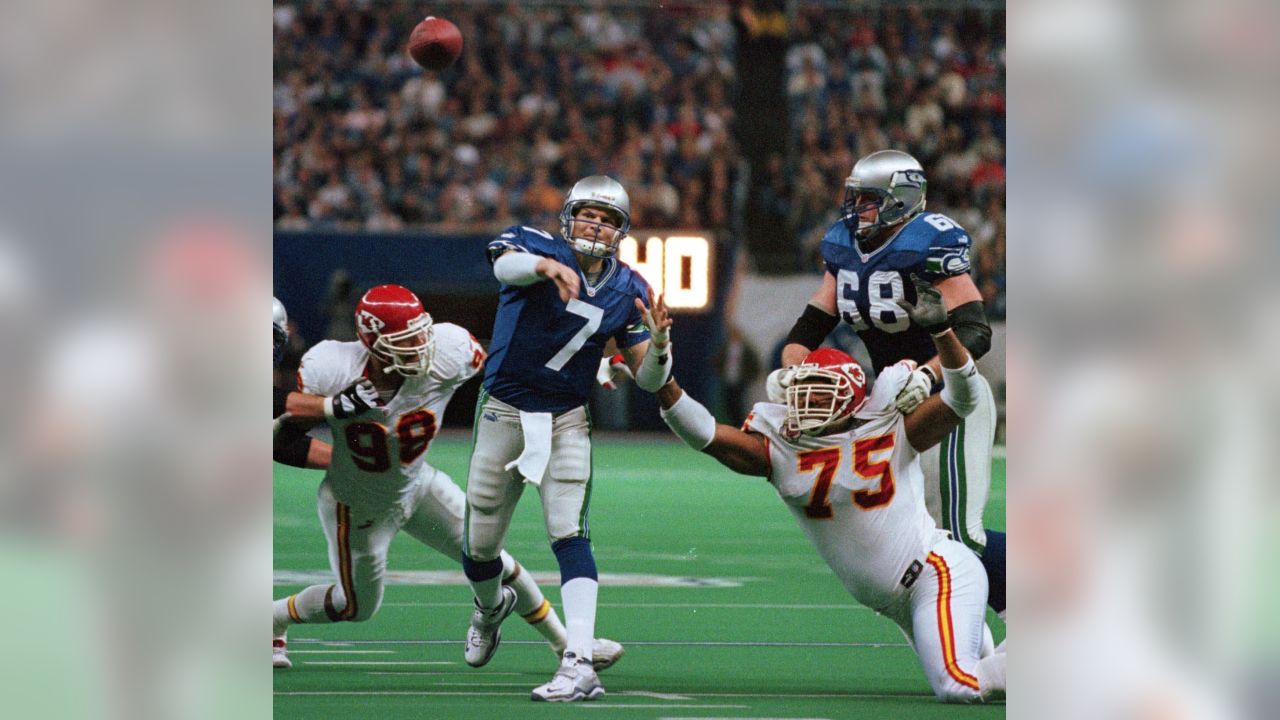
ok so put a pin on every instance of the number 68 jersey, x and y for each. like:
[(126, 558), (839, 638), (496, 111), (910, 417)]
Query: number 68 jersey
[(858, 495), (930, 245), (378, 457)]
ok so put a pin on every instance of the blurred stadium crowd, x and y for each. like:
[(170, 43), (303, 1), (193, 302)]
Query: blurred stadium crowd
[(548, 93)]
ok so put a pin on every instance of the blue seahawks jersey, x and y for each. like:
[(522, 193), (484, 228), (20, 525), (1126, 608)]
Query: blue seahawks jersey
[(930, 245), (545, 354)]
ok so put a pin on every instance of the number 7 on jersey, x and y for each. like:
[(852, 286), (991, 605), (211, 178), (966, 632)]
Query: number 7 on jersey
[(594, 316)]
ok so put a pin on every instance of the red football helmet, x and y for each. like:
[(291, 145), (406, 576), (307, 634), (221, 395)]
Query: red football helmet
[(826, 388), (392, 324)]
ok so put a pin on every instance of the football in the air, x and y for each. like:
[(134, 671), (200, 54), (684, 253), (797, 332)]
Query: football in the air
[(435, 43)]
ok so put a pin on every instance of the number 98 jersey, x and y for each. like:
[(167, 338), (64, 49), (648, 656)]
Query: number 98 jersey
[(930, 245), (378, 457)]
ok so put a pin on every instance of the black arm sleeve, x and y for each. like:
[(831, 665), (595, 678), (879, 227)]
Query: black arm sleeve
[(969, 322), (812, 327), (291, 448)]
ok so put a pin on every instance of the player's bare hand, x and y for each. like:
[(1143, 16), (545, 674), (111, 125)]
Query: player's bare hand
[(565, 278), (929, 310), (657, 317)]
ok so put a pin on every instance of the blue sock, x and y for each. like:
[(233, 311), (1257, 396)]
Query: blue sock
[(575, 558), (481, 570), (993, 561)]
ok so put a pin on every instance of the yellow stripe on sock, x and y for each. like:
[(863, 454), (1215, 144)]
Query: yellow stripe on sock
[(540, 614), (293, 609)]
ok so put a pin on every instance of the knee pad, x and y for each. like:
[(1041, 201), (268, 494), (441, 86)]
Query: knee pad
[(575, 558)]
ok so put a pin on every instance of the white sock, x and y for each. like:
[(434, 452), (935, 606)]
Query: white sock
[(308, 606), (550, 628), (579, 598)]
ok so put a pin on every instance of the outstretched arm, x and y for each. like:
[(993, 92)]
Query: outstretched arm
[(938, 415), (746, 453), (523, 268), (650, 360)]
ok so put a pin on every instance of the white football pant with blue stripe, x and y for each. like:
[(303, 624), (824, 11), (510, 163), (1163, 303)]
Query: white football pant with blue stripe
[(957, 474)]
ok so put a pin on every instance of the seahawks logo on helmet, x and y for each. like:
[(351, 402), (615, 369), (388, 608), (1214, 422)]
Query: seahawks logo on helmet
[(909, 178)]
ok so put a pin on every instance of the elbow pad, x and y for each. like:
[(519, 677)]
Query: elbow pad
[(963, 388), (691, 422), (517, 268), (655, 368), (812, 327), (969, 322)]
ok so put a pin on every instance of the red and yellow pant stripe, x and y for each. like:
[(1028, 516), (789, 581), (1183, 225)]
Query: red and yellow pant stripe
[(345, 574), (946, 628)]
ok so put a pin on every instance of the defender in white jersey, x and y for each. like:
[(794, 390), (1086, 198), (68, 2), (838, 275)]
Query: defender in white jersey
[(378, 481), (847, 466)]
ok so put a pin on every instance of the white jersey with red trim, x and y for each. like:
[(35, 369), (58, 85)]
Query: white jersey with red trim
[(378, 457), (858, 495)]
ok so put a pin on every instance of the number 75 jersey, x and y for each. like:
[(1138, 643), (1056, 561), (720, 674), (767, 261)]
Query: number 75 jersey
[(858, 495), (930, 245), (378, 457)]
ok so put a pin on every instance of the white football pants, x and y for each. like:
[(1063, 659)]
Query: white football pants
[(493, 491), (957, 474), (943, 618)]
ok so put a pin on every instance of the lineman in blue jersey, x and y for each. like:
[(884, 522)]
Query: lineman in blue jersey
[(884, 239), (562, 300)]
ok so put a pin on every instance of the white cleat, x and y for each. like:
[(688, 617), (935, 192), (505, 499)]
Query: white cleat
[(575, 680), (280, 653), (485, 632), (604, 653)]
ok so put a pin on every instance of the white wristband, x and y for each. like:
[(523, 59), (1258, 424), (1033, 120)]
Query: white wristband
[(692, 422), (328, 408), (655, 368), (517, 268), (962, 389)]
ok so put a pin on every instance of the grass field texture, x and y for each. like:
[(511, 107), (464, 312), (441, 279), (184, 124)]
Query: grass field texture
[(725, 610)]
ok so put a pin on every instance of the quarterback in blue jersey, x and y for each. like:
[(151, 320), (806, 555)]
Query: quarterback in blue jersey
[(883, 244), (563, 298)]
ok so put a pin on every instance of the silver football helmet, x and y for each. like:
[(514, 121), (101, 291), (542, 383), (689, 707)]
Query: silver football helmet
[(892, 182), (279, 330), (600, 239)]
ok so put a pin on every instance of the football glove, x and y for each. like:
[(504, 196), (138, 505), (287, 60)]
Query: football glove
[(611, 367), (777, 382), (916, 391), (929, 310), (356, 399)]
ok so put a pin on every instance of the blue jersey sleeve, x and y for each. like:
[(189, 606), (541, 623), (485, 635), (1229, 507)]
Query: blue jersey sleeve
[(521, 238), (635, 331), (948, 252)]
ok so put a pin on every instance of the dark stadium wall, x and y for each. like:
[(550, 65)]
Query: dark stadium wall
[(452, 276)]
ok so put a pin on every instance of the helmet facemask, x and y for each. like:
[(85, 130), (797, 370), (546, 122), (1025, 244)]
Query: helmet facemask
[(820, 398), (594, 238), (902, 200), (409, 351)]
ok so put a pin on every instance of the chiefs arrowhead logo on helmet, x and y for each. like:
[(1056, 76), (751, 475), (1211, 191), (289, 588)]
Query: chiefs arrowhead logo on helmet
[(392, 324)]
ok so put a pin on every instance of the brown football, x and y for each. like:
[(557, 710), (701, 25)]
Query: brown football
[(435, 43)]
